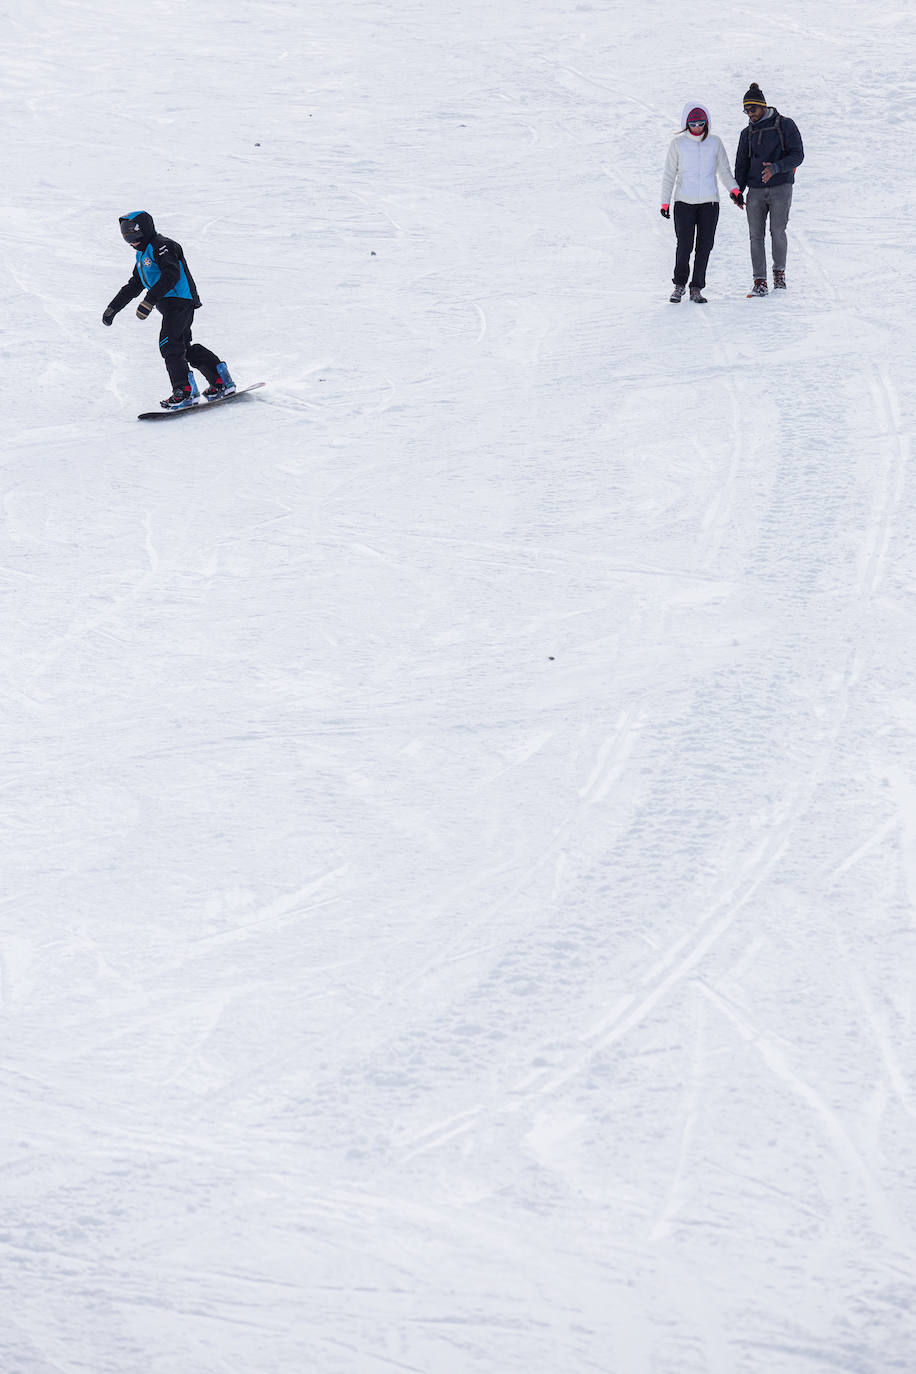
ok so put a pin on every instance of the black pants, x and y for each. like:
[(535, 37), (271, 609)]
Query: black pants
[(694, 221), (178, 353)]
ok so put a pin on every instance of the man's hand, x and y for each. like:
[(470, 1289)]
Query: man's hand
[(143, 309), (108, 315), (769, 170), (665, 212), (737, 199)]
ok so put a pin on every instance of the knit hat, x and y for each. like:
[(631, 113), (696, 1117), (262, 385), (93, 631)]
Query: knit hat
[(754, 96), (696, 113)]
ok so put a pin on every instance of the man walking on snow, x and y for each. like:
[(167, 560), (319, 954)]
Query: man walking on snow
[(769, 150)]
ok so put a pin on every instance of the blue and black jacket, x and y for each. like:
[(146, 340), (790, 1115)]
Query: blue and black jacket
[(774, 138), (160, 269)]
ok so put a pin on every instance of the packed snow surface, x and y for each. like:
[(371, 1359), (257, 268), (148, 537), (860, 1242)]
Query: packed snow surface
[(458, 805)]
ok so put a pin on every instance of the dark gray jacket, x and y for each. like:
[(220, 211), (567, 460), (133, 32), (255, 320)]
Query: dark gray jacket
[(776, 139)]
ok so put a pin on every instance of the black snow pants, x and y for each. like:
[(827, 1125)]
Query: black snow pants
[(694, 221), (178, 352)]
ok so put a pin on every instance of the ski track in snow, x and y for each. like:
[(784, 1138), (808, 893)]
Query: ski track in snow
[(458, 819)]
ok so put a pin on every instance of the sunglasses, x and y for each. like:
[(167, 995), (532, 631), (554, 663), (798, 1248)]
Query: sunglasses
[(751, 108), (695, 123)]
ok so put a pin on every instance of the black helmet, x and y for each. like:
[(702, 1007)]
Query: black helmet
[(137, 228)]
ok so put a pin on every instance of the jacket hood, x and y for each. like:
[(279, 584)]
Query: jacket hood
[(695, 105), (144, 221)]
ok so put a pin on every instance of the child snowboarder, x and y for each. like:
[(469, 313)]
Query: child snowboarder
[(161, 270)]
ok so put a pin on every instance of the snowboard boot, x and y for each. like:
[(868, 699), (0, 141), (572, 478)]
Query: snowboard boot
[(759, 288), (180, 399), (779, 279), (676, 294), (696, 295), (225, 386)]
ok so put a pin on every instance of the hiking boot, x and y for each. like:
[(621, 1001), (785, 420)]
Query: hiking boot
[(677, 294), (180, 398), (696, 295), (225, 386), (779, 279), (759, 288)]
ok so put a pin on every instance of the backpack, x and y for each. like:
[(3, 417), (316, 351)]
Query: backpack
[(782, 140)]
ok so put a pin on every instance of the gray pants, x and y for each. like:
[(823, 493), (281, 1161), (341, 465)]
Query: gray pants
[(774, 201)]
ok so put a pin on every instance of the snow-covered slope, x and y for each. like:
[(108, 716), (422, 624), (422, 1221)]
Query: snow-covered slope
[(458, 807)]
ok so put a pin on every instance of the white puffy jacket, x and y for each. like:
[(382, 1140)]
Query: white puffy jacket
[(692, 165)]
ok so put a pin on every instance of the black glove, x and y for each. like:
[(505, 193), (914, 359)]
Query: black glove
[(108, 315), (665, 212), (738, 198), (144, 309)]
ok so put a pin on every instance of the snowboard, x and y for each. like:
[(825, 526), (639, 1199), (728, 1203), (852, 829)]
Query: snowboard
[(200, 405)]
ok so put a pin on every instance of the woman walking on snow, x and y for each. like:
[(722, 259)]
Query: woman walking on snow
[(695, 158)]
